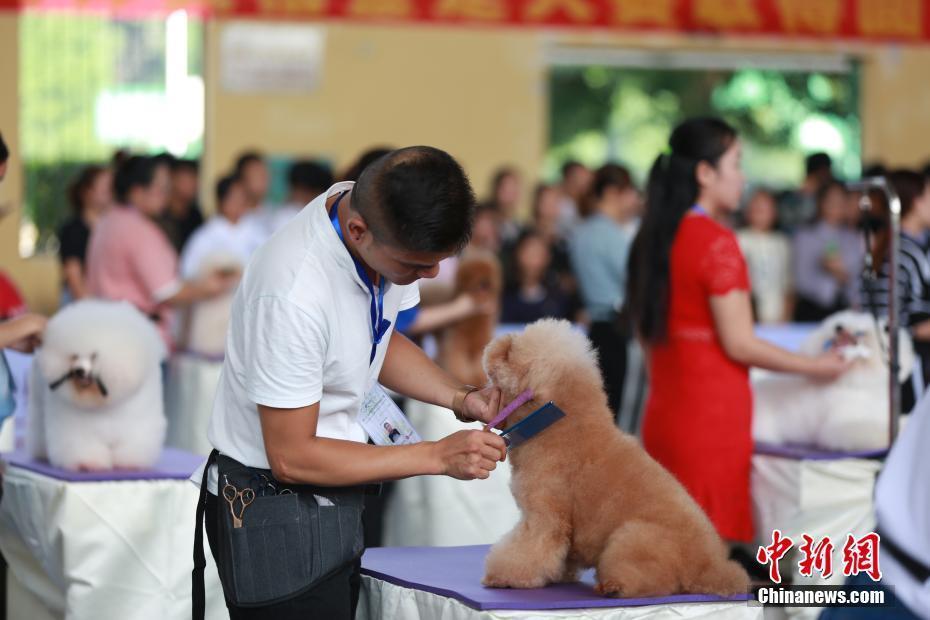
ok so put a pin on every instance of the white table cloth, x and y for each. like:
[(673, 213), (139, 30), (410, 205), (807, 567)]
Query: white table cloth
[(819, 497), (101, 550)]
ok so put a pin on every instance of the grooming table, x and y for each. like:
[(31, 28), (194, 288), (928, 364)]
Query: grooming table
[(806, 491), (191, 390), (102, 545), (445, 584)]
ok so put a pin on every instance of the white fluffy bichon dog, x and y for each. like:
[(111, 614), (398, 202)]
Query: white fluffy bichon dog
[(96, 389), (849, 414)]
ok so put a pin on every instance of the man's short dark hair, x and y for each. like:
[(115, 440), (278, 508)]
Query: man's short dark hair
[(309, 176), (818, 163), (166, 159), (185, 165), (874, 169), (417, 198), (136, 171), (569, 166), (4, 151), (247, 158), (223, 187)]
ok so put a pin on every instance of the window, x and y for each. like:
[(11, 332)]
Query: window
[(622, 105), (92, 84)]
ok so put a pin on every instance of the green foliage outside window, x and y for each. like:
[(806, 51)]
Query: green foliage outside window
[(601, 114), (69, 65)]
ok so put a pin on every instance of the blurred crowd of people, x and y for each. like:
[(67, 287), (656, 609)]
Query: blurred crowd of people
[(565, 256)]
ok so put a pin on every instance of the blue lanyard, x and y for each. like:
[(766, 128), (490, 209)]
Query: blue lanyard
[(699, 210), (379, 325)]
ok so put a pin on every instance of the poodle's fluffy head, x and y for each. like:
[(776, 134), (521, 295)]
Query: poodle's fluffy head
[(863, 340), (222, 261), (96, 353), (551, 358), (479, 273)]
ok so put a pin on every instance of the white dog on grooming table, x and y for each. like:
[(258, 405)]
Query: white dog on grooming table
[(849, 414), (96, 389)]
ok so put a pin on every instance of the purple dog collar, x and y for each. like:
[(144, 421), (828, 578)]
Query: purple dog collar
[(517, 402)]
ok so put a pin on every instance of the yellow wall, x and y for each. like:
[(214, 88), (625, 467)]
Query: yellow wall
[(37, 278), (481, 94), (478, 93), (896, 105)]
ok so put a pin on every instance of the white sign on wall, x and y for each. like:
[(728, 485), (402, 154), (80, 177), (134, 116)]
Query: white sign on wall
[(270, 58)]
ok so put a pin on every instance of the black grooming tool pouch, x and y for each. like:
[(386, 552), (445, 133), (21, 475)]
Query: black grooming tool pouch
[(289, 541)]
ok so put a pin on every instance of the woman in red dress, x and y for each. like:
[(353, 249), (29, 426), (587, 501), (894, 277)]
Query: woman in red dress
[(688, 298)]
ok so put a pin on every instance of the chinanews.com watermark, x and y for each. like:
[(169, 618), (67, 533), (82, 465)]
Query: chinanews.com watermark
[(859, 556), (822, 596)]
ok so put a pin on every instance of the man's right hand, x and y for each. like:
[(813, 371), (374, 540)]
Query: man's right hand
[(24, 332), (467, 455)]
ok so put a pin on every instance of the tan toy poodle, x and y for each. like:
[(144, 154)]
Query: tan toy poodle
[(590, 496), (462, 344)]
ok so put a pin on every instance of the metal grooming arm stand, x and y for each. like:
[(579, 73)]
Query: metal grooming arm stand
[(894, 228)]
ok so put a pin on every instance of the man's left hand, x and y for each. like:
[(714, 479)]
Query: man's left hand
[(482, 405)]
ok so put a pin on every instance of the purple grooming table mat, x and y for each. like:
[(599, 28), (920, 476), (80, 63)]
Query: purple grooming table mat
[(455, 572), (172, 465), (802, 453)]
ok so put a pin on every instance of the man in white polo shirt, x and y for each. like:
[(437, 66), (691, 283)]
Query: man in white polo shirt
[(311, 333)]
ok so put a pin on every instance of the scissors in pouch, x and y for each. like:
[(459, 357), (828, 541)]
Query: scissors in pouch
[(245, 496)]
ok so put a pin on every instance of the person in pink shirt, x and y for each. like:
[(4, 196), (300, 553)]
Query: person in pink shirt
[(129, 258)]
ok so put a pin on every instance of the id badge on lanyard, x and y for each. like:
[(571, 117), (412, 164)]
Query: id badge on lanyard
[(384, 422)]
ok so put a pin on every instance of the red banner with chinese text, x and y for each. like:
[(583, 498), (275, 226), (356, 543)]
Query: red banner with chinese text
[(875, 20)]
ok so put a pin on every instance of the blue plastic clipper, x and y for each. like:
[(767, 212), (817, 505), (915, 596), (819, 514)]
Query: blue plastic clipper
[(532, 425)]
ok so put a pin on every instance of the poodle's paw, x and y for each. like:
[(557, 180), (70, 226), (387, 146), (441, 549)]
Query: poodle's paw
[(89, 466), (94, 459), (133, 467), (631, 587), (495, 581), (521, 582), (508, 566), (609, 589)]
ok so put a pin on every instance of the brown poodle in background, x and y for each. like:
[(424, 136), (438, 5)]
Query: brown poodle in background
[(461, 345), (589, 494)]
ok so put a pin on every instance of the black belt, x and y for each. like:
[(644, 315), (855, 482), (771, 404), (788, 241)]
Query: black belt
[(917, 569)]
